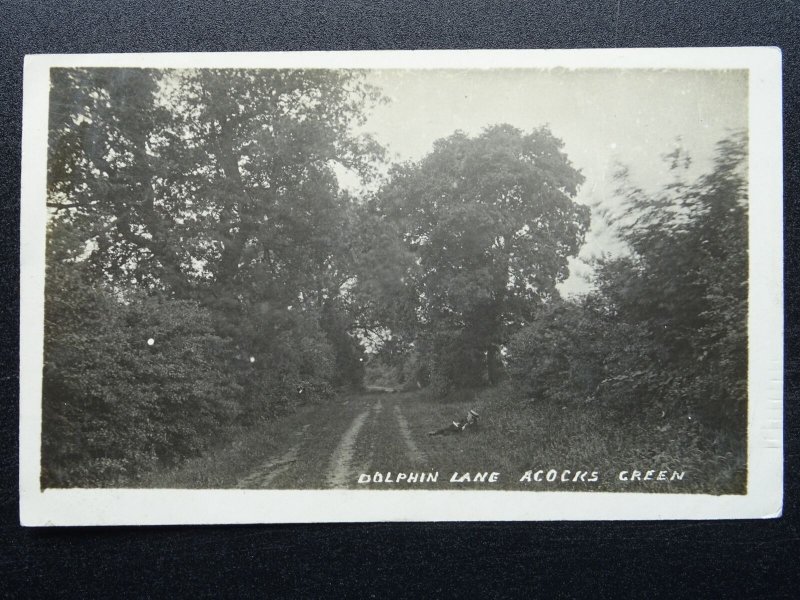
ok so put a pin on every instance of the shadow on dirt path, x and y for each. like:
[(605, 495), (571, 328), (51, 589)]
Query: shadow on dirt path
[(414, 452), (341, 461)]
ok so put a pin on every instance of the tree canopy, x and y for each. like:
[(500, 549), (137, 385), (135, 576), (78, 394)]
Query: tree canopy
[(491, 221), (215, 192)]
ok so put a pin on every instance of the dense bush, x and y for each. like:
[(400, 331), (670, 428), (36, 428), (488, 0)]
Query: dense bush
[(301, 363), (664, 335), (114, 405), (557, 356)]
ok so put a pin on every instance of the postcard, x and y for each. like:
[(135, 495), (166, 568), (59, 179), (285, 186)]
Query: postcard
[(401, 286)]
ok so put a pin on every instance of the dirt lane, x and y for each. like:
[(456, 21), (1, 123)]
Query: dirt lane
[(405, 431), (338, 443), (390, 442), (339, 472), (267, 472), (330, 445)]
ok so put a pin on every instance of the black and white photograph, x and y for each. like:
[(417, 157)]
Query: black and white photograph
[(472, 280)]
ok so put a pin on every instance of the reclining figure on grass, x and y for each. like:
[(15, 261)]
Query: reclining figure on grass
[(471, 422)]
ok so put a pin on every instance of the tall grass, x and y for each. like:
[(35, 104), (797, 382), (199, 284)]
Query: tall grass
[(517, 435)]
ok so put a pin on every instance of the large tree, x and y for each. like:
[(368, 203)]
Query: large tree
[(212, 185), (492, 221), (198, 245)]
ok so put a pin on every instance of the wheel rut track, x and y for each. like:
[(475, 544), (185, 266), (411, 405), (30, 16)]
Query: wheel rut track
[(340, 469)]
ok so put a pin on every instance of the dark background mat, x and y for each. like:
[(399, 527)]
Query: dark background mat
[(649, 559)]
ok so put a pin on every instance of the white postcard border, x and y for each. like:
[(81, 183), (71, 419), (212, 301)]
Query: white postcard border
[(148, 506)]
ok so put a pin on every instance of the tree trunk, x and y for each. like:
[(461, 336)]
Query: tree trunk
[(494, 366)]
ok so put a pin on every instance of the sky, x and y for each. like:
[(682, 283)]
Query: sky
[(605, 117)]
